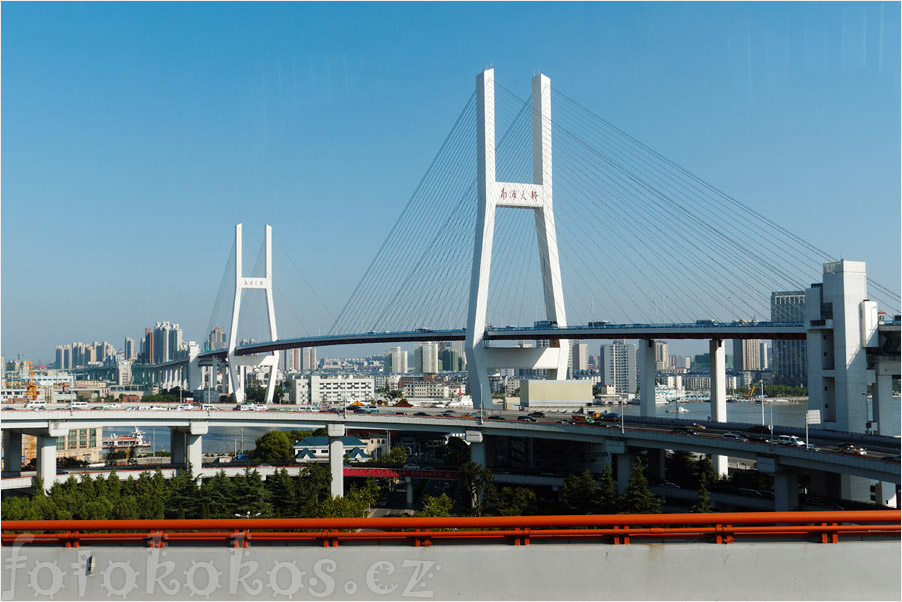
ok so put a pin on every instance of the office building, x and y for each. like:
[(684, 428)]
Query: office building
[(426, 358), (747, 355), (662, 358), (790, 358), (217, 339), (395, 361), (618, 366), (579, 358), (308, 359), (129, 350)]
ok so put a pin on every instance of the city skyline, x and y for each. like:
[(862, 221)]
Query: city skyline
[(159, 134)]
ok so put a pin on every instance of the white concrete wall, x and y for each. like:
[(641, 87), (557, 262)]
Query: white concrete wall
[(673, 571)]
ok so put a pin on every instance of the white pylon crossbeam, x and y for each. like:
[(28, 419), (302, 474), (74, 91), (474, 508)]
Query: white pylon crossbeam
[(493, 194), (238, 364)]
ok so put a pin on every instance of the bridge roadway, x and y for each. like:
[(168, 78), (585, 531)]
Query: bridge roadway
[(706, 331), (774, 458)]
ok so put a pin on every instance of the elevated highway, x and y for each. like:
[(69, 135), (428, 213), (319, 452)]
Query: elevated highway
[(189, 427)]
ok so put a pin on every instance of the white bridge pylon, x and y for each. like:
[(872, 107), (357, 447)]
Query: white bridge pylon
[(238, 364), (536, 196)]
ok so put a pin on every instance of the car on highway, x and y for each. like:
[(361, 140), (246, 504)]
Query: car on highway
[(536, 414), (790, 440), (851, 448), (734, 436), (421, 414), (757, 438), (684, 430), (760, 428), (411, 466), (526, 419)]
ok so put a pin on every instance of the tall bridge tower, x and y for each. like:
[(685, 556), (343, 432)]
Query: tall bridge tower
[(535, 196), (238, 363)]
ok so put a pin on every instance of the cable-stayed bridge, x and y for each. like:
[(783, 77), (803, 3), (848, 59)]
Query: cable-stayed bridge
[(595, 236)]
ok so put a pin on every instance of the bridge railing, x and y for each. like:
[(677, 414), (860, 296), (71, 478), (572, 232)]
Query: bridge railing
[(619, 529)]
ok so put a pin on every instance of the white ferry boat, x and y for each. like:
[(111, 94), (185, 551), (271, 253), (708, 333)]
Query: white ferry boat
[(134, 439)]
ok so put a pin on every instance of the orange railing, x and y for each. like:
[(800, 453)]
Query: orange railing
[(823, 527)]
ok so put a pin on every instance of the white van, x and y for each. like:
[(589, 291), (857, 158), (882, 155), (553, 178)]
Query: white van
[(208, 407), (36, 404), (77, 405), (790, 440)]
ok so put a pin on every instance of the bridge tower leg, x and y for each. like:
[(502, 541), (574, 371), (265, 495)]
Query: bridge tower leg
[(718, 396), (536, 196), (236, 380), (647, 387)]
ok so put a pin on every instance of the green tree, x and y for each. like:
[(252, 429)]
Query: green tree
[(638, 499), (479, 483), (607, 492), (251, 497), (702, 501), (396, 455), (516, 501), (436, 506), (274, 447), (579, 493)]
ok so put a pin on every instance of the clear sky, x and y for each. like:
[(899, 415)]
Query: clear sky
[(135, 135)]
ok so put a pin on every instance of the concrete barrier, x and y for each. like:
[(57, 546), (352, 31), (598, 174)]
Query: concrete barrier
[(699, 571)]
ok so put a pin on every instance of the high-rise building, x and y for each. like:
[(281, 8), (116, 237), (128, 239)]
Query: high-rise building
[(763, 355), (790, 358), (128, 349), (426, 358), (579, 355), (458, 348), (395, 361), (217, 339), (618, 366), (308, 358), (747, 355), (662, 358)]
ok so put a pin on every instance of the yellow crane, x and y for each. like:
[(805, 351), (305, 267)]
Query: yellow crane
[(751, 392), (31, 390)]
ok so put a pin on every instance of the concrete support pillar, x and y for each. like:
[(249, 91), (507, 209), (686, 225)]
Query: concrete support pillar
[(336, 458), (177, 445), (477, 447), (409, 482), (46, 460), (624, 466), (886, 494), (195, 452), (647, 375), (656, 465), (786, 490), (718, 395), (882, 402), (12, 452)]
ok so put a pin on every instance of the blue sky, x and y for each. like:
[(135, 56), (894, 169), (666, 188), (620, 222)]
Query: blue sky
[(136, 135)]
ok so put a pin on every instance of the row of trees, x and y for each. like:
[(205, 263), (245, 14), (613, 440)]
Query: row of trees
[(152, 496)]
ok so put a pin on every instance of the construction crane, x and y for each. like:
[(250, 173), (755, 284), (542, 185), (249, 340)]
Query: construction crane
[(751, 392), (31, 390)]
